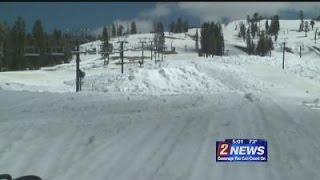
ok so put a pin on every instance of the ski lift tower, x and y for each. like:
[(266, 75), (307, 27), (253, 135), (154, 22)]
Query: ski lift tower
[(142, 41), (79, 74), (151, 47), (121, 50), (284, 49)]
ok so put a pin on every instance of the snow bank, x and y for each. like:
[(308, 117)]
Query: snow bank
[(160, 81)]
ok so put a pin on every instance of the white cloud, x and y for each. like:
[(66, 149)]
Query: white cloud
[(215, 11), (239, 10), (143, 25), (161, 9)]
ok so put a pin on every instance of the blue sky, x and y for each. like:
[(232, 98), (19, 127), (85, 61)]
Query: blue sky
[(95, 15), (71, 15)]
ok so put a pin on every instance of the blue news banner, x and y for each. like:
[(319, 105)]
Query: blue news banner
[(242, 150)]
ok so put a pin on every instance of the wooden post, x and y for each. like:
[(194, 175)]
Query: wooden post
[(151, 50), (142, 46), (108, 58), (142, 53), (78, 68), (315, 37), (300, 51), (284, 47), (162, 54), (121, 55)]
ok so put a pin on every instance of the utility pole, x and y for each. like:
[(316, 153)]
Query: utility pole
[(162, 53), (284, 47), (142, 48), (78, 71), (315, 36), (121, 53), (121, 56), (151, 49)]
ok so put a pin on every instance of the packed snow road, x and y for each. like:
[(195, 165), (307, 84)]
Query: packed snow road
[(85, 136)]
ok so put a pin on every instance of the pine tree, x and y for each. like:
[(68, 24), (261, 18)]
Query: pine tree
[(249, 42), (255, 17), (197, 40), (269, 45), (2, 42), (212, 41), (242, 32), (120, 30), (38, 35), (312, 23), (179, 25), (267, 26), (172, 27), (203, 39), (114, 31), (105, 44), (2, 37), (277, 24), (7, 47), (17, 43), (301, 19), (264, 45), (220, 41), (133, 28), (57, 38), (185, 26), (2, 33), (105, 41), (306, 27), (159, 38), (254, 29)]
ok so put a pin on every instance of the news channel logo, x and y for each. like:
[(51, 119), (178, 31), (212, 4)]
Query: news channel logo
[(243, 150)]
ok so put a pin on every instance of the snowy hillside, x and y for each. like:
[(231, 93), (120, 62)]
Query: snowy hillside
[(161, 121), (179, 73)]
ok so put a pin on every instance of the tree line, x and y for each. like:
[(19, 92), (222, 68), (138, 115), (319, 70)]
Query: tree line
[(179, 26), (159, 38), (119, 30), (253, 30), (45, 49), (212, 40)]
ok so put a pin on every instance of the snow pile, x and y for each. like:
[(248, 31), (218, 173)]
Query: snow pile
[(160, 81)]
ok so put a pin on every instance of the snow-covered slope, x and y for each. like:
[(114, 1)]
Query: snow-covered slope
[(184, 74)]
